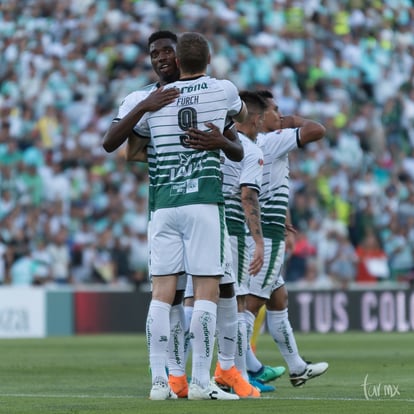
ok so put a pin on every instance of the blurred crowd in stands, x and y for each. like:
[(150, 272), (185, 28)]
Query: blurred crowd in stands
[(72, 214)]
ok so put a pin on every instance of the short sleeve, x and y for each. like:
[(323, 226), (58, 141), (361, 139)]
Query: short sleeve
[(252, 171), (234, 103), (278, 143)]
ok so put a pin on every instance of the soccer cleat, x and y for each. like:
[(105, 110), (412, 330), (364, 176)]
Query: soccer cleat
[(179, 385), (223, 387), (211, 392), (233, 378), (260, 386), (267, 374), (311, 371), (161, 391)]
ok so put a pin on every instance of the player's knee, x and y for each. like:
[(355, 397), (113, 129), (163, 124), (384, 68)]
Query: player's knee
[(279, 299)]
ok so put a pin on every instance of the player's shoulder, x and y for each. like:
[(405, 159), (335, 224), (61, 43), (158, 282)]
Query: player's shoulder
[(140, 93), (227, 85), (150, 87), (249, 146), (278, 143), (264, 136), (256, 150), (281, 134)]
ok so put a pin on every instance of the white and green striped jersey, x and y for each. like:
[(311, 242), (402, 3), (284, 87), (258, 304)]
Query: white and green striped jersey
[(129, 103), (134, 98), (248, 172), (274, 196), (180, 175)]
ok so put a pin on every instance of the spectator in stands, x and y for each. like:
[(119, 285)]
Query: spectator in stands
[(372, 260), (120, 252), (299, 266), (25, 271), (399, 251), (43, 262), (59, 251), (103, 264), (341, 267)]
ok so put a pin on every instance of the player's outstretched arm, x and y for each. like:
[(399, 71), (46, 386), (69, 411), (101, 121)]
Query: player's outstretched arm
[(310, 130)]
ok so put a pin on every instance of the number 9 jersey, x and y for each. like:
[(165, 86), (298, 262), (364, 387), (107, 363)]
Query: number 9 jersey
[(181, 175)]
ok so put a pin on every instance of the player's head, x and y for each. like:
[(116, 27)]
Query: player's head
[(193, 53), (162, 49), (271, 117), (256, 106)]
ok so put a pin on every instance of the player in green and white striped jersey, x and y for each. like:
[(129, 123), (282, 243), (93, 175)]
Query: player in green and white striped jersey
[(280, 136), (187, 226), (241, 186), (162, 45)]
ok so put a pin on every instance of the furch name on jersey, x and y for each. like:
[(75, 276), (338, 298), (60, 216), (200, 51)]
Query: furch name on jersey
[(187, 100)]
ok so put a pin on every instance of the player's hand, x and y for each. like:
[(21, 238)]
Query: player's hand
[(257, 261), (209, 140), (159, 98), (290, 238)]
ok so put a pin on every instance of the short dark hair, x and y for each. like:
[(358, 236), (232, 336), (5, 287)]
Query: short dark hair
[(264, 93), (254, 101), (268, 95), (192, 52), (162, 34)]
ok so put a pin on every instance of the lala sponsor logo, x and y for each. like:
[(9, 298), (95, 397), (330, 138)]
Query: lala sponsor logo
[(187, 166)]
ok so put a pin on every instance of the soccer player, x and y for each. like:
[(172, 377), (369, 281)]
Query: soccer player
[(187, 226), (162, 45), (241, 185), (281, 134), (162, 49)]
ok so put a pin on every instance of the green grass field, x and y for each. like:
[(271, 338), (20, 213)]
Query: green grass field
[(109, 374)]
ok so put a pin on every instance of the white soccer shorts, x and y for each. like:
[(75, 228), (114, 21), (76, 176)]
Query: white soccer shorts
[(270, 276), (188, 239)]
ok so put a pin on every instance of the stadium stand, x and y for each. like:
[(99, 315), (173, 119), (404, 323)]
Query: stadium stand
[(72, 214)]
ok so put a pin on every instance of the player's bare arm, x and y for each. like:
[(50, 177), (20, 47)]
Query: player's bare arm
[(251, 208), (290, 233), (136, 148), (310, 130), (213, 139), (119, 131)]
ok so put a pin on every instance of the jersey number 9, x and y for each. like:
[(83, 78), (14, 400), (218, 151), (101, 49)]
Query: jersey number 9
[(187, 118)]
